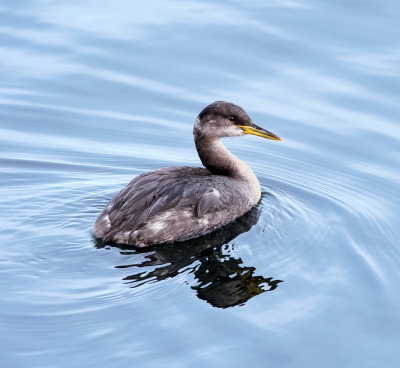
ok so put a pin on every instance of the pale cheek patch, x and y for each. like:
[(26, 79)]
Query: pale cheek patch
[(233, 131)]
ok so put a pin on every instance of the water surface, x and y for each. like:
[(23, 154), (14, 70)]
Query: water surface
[(93, 94)]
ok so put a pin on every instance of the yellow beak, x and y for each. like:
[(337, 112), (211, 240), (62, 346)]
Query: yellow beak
[(256, 130)]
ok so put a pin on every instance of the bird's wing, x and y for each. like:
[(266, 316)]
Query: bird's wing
[(209, 201), (159, 191)]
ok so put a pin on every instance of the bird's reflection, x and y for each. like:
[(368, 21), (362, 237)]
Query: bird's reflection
[(222, 280)]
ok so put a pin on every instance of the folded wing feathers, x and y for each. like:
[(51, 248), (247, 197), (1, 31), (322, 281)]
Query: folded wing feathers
[(156, 192)]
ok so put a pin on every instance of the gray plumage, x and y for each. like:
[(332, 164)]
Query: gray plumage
[(180, 203)]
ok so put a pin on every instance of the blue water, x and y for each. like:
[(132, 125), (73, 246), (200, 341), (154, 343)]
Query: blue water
[(93, 93)]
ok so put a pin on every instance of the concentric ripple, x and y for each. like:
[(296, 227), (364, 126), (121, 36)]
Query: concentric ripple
[(94, 93)]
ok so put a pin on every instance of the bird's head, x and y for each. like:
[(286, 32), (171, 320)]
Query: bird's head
[(224, 119)]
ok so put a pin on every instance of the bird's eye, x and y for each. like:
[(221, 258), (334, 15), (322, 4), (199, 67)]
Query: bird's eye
[(232, 118)]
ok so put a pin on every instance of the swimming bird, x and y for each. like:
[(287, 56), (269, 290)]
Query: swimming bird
[(180, 203)]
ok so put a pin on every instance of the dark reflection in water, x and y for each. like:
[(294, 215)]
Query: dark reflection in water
[(223, 280)]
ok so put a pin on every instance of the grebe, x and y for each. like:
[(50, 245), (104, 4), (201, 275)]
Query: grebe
[(180, 203)]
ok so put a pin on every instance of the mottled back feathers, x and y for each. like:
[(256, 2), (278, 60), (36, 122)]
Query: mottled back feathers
[(155, 202)]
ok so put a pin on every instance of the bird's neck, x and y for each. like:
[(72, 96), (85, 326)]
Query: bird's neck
[(216, 158)]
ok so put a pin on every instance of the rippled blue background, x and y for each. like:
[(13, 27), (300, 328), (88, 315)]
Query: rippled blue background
[(92, 93)]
